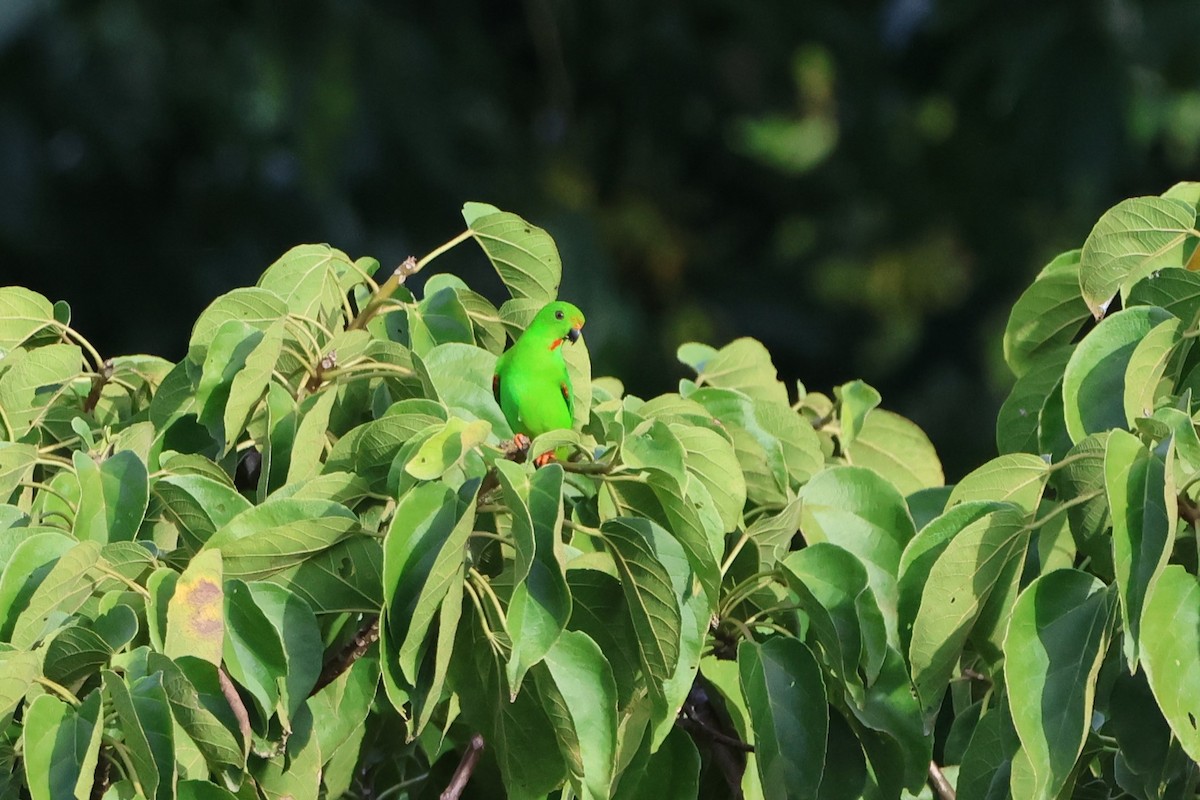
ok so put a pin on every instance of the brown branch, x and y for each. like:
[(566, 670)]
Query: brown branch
[(938, 783), (356, 649), (99, 381), (465, 768), (1188, 512), (235, 703), (102, 778), (394, 282)]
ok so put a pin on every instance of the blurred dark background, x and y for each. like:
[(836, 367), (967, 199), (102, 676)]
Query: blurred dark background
[(864, 186)]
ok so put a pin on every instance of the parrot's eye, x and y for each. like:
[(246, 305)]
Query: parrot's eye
[(558, 315)]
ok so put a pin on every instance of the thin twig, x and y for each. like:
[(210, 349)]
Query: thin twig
[(465, 768), (356, 649), (235, 702)]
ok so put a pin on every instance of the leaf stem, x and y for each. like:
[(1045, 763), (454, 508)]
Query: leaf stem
[(1072, 503), (80, 340), (59, 689), (733, 554)]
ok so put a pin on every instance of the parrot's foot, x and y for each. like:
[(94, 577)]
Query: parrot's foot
[(544, 459), (518, 449)]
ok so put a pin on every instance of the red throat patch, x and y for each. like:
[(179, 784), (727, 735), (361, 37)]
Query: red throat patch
[(557, 343)]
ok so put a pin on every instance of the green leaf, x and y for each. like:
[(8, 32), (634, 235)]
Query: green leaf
[(462, 379), (434, 667), (1080, 481), (898, 450), (710, 458), (252, 652), (62, 746), (1020, 419), (1170, 639), (581, 696), (67, 585), (342, 706), (347, 577), (856, 509), (743, 364), (987, 762), (257, 308), (599, 609), (16, 466), (446, 449), (541, 601), (310, 441), (653, 604), (308, 278), (785, 694), (30, 562), (1094, 380), (670, 773), (113, 497), (298, 633), (524, 255), (1047, 316), (1055, 643), (249, 385), (857, 400), (198, 505), (959, 584), (34, 382), (1141, 495), (226, 356), (203, 713), (279, 534), (1148, 367), (295, 773), (423, 551), (77, 652), (153, 762), (1131, 239), (1175, 290), (18, 669), (772, 534), (890, 706), (831, 585), (22, 315), (653, 446), (1018, 478), (195, 613)]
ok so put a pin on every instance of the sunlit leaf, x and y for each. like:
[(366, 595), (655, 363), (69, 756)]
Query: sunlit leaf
[(523, 254)]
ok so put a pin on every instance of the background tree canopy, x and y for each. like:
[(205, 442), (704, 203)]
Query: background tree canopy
[(866, 189)]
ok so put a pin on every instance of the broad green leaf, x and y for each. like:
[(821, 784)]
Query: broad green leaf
[(27, 566), (252, 652), (689, 515), (203, 714), (1131, 239), (891, 707), (18, 669), (226, 356), (541, 601), (653, 446), (258, 308), (959, 584), (68, 584), (524, 255), (439, 318), (1048, 315), (347, 577), (279, 534), (760, 454), (295, 773), (772, 534), (1017, 478), (23, 314), (857, 400), (113, 497), (311, 442), (423, 551), (710, 457), (198, 505), (1147, 377), (1055, 643), (743, 364), (249, 385), (462, 378), (342, 705), (1094, 379), (16, 466), (1170, 639), (898, 450), (35, 382), (785, 695), (1145, 746), (856, 509), (153, 763), (308, 278), (300, 636), (653, 605), (581, 697), (670, 773), (195, 613), (446, 449), (599, 609), (1176, 290), (1020, 419), (722, 675), (831, 585), (1141, 495), (1080, 481), (77, 651), (194, 789), (62, 746), (434, 668), (987, 762)]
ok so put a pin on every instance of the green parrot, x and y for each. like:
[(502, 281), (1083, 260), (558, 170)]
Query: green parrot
[(531, 382)]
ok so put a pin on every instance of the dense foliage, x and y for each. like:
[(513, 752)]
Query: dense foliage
[(305, 561)]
